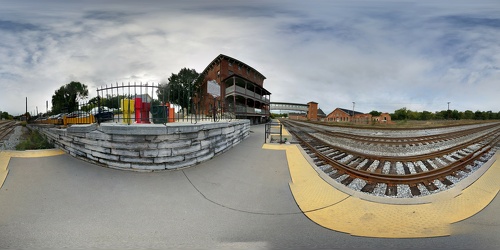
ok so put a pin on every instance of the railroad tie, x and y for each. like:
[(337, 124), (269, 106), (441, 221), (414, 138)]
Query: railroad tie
[(427, 165), (379, 168), (392, 190), (369, 187), (393, 169), (415, 191), (406, 168), (367, 165)]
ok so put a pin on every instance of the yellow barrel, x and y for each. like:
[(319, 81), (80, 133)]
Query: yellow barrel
[(127, 106)]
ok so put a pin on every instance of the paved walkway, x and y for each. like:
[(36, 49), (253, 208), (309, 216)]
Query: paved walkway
[(240, 199)]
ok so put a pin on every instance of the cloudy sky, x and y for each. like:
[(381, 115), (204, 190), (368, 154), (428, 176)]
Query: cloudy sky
[(382, 55)]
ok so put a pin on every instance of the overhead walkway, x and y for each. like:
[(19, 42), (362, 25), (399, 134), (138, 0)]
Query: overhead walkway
[(287, 106)]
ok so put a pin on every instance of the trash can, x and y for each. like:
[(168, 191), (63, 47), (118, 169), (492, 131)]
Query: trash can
[(145, 109), (137, 109), (160, 114), (127, 106)]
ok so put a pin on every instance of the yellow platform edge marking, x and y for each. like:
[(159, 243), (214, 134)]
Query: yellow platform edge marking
[(7, 154), (335, 210)]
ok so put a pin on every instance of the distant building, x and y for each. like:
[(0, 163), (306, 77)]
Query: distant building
[(346, 115), (241, 89), (321, 115), (342, 115)]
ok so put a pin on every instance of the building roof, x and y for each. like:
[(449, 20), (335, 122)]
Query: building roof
[(321, 113), (348, 111), (230, 59)]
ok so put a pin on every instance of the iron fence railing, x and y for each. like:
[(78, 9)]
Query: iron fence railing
[(146, 103)]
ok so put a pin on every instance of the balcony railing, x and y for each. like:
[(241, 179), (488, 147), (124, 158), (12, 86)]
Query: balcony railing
[(241, 90)]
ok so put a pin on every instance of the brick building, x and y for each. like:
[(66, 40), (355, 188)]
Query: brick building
[(342, 115), (241, 89), (346, 115)]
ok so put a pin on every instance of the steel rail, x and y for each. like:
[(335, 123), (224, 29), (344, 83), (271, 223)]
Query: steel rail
[(402, 140), (332, 124), (421, 156), (392, 179), (6, 128)]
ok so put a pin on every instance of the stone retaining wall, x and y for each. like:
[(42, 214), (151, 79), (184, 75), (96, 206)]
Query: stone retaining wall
[(147, 147)]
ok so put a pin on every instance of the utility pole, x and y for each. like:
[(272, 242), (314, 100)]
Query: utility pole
[(448, 111), (352, 118)]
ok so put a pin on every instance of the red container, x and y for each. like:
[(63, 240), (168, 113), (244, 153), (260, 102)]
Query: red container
[(138, 108), (146, 107)]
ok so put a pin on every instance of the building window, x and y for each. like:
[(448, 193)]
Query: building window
[(230, 64), (218, 73), (231, 72), (239, 67)]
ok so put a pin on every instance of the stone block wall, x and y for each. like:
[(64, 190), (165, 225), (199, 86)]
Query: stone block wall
[(147, 147)]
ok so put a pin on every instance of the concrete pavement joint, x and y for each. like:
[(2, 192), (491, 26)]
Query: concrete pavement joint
[(231, 208)]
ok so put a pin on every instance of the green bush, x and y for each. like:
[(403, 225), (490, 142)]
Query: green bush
[(35, 140)]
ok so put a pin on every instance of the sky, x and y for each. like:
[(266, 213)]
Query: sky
[(382, 55)]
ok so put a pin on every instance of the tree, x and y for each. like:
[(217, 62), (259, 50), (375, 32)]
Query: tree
[(66, 98), (6, 116), (468, 114), (180, 88), (426, 115), (478, 115), (400, 114), (456, 115), (375, 113), (413, 115)]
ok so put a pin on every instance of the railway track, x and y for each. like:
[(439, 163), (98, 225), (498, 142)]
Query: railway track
[(6, 127), (407, 175)]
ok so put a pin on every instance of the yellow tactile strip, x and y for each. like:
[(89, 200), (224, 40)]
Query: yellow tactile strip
[(338, 211), (6, 155)]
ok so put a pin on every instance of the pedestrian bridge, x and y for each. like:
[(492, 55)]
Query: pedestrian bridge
[(288, 106)]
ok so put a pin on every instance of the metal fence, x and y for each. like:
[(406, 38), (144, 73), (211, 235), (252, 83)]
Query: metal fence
[(134, 103)]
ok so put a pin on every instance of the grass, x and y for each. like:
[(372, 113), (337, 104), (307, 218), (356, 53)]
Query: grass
[(34, 140)]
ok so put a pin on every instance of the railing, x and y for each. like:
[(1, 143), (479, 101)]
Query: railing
[(269, 131), (143, 104), (241, 90)]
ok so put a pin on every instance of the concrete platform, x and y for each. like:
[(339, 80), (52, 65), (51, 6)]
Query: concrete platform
[(238, 200), (340, 211)]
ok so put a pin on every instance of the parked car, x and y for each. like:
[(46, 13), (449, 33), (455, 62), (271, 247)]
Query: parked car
[(102, 114), (77, 113), (58, 116)]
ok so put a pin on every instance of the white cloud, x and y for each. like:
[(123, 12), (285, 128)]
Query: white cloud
[(383, 56)]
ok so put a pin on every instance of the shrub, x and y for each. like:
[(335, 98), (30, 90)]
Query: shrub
[(35, 140)]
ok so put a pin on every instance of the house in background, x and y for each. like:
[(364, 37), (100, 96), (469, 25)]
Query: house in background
[(346, 115)]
